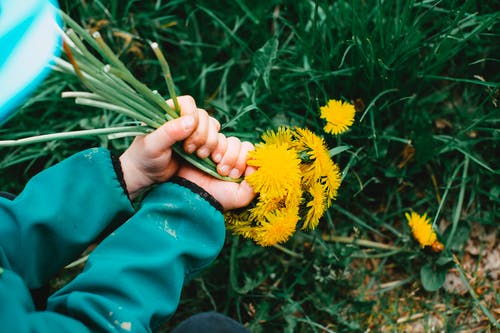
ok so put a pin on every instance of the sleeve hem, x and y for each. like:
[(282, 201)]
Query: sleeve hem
[(117, 166), (197, 190)]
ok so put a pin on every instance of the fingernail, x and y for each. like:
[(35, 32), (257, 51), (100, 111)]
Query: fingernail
[(187, 122), (217, 158), (234, 173), (203, 152), (224, 169), (190, 148)]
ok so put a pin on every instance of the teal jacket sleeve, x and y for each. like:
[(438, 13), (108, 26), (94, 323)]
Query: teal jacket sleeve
[(59, 213), (17, 313), (133, 279)]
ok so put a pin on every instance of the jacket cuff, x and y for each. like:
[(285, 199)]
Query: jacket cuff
[(198, 190), (117, 166)]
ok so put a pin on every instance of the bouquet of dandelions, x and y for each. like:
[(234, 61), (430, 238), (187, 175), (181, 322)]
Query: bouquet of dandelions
[(295, 181)]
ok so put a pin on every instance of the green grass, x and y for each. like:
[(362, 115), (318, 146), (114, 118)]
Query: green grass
[(424, 75)]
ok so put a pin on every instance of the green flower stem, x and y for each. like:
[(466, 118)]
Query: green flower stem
[(80, 47), (99, 71), (82, 33), (62, 66), (98, 44), (93, 62), (113, 58), (124, 130), (201, 164), (361, 242), (365, 255), (82, 94), (143, 89), (112, 107), (167, 75), (125, 75), (109, 89), (287, 251), (115, 96), (77, 262)]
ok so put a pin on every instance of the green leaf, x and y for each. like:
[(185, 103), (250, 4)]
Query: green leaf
[(460, 237), (337, 150), (264, 58), (444, 260), (432, 279)]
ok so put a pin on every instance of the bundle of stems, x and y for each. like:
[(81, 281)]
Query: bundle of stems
[(111, 86)]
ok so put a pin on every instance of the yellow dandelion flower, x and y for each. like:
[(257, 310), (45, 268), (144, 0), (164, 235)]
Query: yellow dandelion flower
[(283, 136), (243, 230), (332, 182), (277, 171), (277, 228), (235, 217), (320, 163), (316, 206), (421, 229), (265, 205), (339, 116), (293, 199), (240, 223)]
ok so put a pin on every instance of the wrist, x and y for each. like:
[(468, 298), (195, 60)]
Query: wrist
[(134, 180)]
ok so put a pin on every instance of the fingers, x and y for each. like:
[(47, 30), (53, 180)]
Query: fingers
[(220, 149), (169, 133), (187, 104), (234, 160), (204, 139)]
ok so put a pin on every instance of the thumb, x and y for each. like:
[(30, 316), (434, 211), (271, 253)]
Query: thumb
[(244, 192), (171, 132)]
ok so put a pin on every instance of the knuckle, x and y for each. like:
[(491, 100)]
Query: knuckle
[(215, 123), (247, 145), (232, 140), (187, 104), (187, 99)]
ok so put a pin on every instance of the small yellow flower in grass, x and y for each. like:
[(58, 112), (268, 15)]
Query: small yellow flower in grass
[(421, 229), (278, 171), (339, 116), (277, 228)]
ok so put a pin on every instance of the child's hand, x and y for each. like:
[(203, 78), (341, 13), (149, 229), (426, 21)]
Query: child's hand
[(230, 156), (149, 158)]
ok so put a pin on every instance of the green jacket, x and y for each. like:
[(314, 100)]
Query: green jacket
[(132, 281)]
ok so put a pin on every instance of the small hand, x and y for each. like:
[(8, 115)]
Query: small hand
[(149, 159), (231, 155)]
